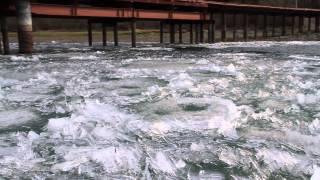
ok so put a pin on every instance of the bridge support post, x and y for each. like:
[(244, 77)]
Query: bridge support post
[(234, 26), (180, 33), (273, 31), (223, 27), (309, 24), (5, 37), (301, 24), (161, 32), (317, 23), (191, 33), (104, 34), (115, 34), (197, 33), (265, 26), (245, 27), (201, 32), (213, 31), (293, 24), (133, 33), (24, 23), (89, 33), (172, 33), (283, 25), (256, 21), (209, 33)]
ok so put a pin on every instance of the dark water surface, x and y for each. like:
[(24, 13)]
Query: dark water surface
[(223, 111)]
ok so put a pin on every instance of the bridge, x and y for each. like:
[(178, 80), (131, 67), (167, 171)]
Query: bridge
[(200, 16)]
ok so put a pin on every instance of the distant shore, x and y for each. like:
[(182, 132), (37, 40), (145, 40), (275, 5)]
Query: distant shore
[(148, 36)]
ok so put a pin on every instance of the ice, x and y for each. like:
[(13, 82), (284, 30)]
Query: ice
[(182, 82), (316, 173), (314, 127), (163, 163), (15, 117), (23, 58), (89, 57)]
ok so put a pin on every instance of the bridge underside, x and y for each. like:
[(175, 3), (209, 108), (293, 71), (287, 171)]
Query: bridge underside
[(196, 13)]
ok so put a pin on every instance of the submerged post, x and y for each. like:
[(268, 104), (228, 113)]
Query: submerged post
[(301, 23), (172, 33), (104, 34), (309, 24), (5, 37), (265, 25), (293, 24), (317, 23), (89, 33), (201, 33), (256, 26), (197, 33), (24, 23), (191, 33), (115, 34), (245, 27), (133, 33), (223, 27), (180, 33), (161, 32), (273, 32), (283, 27), (234, 26)]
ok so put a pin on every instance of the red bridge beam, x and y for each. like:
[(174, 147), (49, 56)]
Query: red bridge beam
[(106, 12)]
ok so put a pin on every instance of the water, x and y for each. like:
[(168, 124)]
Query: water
[(223, 111)]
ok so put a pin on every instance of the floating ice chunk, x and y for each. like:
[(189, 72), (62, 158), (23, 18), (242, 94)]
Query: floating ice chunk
[(202, 62), (153, 91), (182, 82), (314, 127), (69, 165), (118, 159), (90, 57), (160, 127), (316, 173), (307, 98), (197, 147), (163, 163), (15, 117), (278, 159), (25, 58), (231, 68)]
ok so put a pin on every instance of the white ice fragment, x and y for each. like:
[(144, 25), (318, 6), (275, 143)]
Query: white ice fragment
[(90, 57), (314, 127), (163, 163), (316, 173), (182, 82)]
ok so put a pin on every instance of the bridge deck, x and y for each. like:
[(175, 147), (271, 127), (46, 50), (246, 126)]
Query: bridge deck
[(192, 10)]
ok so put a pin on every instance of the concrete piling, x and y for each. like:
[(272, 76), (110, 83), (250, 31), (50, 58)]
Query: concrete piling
[(293, 24), (5, 36), (180, 34), (283, 25), (223, 27), (301, 23), (172, 33), (265, 26), (133, 33), (24, 24), (234, 26), (191, 33), (104, 34), (273, 31), (245, 27), (317, 24), (161, 32), (115, 34), (89, 33)]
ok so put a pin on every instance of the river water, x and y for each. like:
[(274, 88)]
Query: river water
[(223, 111)]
